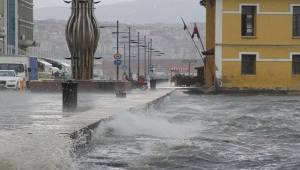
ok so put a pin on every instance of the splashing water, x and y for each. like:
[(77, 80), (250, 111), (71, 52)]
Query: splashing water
[(140, 124), (201, 132)]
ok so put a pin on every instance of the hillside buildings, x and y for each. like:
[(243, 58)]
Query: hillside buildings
[(16, 26), (253, 44)]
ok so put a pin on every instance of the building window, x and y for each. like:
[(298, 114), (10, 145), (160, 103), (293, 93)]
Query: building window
[(248, 20), (296, 21), (296, 64), (248, 64)]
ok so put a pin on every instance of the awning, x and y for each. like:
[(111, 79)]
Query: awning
[(44, 63)]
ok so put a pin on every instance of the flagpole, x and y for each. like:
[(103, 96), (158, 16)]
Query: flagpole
[(202, 44), (190, 34)]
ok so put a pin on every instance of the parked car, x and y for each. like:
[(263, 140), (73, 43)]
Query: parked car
[(9, 79)]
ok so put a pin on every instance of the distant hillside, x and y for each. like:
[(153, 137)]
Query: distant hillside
[(169, 38), (136, 12)]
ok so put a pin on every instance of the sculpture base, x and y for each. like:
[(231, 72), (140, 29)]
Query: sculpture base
[(69, 89)]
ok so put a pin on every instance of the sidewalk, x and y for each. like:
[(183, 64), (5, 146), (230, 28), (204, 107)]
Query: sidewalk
[(35, 133), (39, 112), (100, 109)]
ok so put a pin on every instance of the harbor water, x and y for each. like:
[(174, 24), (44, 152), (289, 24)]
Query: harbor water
[(195, 132)]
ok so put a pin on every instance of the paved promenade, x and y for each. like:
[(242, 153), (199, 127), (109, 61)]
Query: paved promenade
[(34, 130), (101, 108), (38, 111)]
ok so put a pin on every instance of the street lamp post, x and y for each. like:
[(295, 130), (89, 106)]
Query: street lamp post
[(129, 49), (148, 68), (151, 49), (137, 41), (145, 46), (118, 68), (129, 53), (117, 47), (138, 55)]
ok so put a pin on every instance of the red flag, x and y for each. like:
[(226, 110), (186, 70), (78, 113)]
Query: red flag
[(196, 31)]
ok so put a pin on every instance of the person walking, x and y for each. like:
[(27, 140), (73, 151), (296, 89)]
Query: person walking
[(22, 85)]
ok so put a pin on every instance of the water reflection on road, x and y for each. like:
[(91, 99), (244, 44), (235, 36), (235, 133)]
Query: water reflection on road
[(201, 132)]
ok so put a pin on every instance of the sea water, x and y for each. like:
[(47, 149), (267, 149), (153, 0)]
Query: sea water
[(200, 132)]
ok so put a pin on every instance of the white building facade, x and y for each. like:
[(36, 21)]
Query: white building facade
[(16, 26)]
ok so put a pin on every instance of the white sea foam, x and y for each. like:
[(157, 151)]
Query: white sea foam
[(150, 124)]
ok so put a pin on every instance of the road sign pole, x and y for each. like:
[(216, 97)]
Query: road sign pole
[(151, 47), (118, 68), (148, 65), (117, 49), (138, 55), (124, 54), (129, 63)]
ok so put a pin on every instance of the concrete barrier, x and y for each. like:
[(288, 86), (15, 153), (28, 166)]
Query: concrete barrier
[(84, 86)]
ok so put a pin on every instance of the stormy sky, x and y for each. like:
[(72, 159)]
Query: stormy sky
[(128, 11), (51, 3)]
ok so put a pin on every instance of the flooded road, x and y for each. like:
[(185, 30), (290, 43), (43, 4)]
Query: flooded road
[(200, 132)]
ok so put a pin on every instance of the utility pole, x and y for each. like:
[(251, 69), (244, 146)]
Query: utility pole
[(151, 45), (145, 46), (118, 68), (148, 69), (130, 73), (138, 55)]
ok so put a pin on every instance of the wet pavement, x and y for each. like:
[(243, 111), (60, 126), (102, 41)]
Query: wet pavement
[(34, 132)]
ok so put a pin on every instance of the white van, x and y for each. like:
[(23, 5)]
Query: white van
[(19, 64), (21, 69), (25, 67)]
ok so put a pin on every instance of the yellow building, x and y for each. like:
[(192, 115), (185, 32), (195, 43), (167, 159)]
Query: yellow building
[(255, 43)]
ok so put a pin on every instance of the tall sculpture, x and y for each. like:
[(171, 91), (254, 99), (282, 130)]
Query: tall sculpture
[(82, 36)]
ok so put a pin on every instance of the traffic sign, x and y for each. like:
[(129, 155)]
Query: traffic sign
[(152, 68), (124, 67), (117, 62), (117, 56)]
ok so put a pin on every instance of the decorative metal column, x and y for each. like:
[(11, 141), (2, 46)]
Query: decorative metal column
[(82, 36)]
